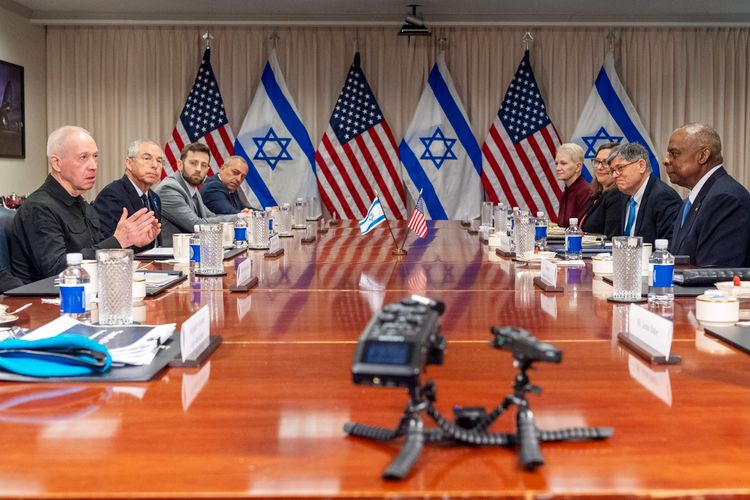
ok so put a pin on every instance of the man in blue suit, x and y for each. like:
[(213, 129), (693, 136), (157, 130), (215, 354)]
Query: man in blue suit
[(143, 166), (652, 206), (713, 226), (221, 193)]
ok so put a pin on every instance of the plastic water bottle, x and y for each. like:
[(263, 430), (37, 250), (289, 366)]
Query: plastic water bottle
[(240, 233), (195, 250), (509, 221), (573, 241), (75, 283), (540, 232), (660, 274)]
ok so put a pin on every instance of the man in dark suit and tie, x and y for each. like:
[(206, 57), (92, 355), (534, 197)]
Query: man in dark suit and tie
[(652, 206), (221, 193), (182, 203), (143, 165), (713, 226)]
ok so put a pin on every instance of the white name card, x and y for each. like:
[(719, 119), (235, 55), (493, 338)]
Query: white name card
[(244, 272), (651, 329), (549, 273), (504, 243), (194, 334), (274, 243)]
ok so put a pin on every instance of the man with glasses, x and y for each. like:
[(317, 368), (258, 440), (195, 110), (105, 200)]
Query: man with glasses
[(56, 220), (713, 225), (652, 206), (143, 164)]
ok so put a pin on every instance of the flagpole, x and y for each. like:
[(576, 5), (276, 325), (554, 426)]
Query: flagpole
[(406, 236), (397, 250)]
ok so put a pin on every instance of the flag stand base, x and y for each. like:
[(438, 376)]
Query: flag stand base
[(399, 251)]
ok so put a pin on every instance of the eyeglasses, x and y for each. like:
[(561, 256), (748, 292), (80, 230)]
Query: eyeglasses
[(618, 170), (600, 163)]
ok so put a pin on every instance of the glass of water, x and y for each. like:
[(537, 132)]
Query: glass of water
[(626, 267), (524, 232), (114, 270), (486, 214), (212, 250)]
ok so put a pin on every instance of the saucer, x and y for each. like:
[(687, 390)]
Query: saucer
[(7, 319)]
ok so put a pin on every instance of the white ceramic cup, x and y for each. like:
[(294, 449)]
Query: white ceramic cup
[(181, 247), (89, 265), (139, 287), (647, 250)]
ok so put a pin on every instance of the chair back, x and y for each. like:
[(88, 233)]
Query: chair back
[(6, 223)]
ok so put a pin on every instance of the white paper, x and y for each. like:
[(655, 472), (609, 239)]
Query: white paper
[(549, 272), (651, 329), (244, 272), (158, 252), (274, 243), (194, 334)]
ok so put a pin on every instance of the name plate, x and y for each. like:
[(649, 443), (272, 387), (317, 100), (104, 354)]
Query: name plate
[(651, 329), (194, 334), (274, 243), (504, 245), (244, 272), (549, 273)]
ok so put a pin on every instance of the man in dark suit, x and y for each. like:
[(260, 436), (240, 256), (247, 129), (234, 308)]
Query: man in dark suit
[(143, 165), (652, 206), (221, 193), (713, 226)]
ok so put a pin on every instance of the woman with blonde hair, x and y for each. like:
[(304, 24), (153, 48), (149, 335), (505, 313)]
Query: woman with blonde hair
[(568, 167)]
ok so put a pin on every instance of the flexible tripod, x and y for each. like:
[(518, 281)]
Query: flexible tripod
[(527, 436), (411, 425)]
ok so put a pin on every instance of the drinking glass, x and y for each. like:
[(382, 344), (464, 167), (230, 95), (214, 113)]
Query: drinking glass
[(626, 267), (525, 226), (260, 229), (486, 214), (212, 250), (114, 269), (300, 222), (284, 220)]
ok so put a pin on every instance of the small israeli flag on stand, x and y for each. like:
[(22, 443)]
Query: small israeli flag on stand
[(440, 153), (609, 116), (374, 217), (275, 143)]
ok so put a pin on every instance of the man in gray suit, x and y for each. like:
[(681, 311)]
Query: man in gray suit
[(181, 204)]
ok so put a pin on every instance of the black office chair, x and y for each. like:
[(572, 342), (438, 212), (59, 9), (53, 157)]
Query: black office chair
[(6, 222)]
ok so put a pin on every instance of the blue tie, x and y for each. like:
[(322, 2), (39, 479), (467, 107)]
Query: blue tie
[(685, 210), (631, 217)]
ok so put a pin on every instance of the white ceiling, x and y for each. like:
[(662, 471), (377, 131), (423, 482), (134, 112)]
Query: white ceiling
[(368, 12)]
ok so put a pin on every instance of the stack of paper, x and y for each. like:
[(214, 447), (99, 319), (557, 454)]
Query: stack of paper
[(127, 344)]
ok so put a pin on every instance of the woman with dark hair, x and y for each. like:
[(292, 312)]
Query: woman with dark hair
[(603, 214)]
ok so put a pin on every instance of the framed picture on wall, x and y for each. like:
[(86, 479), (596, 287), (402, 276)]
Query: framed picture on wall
[(12, 118)]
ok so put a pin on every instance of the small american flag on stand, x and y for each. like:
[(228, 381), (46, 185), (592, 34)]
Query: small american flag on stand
[(202, 119), (417, 221)]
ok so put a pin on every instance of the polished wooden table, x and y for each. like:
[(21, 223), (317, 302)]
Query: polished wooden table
[(264, 416)]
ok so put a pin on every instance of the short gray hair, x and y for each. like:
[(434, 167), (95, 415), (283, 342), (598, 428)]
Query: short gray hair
[(630, 151), (59, 138), (133, 148), (234, 157)]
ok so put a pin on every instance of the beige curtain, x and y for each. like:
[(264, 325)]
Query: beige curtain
[(125, 83)]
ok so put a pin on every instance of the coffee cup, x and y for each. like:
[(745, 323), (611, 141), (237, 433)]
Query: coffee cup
[(139, 287), (89, 265), (181, 247)]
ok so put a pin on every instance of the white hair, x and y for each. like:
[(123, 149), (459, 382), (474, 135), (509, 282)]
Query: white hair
[(133, 148), (58, 139)]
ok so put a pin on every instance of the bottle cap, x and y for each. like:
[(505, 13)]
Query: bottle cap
[(74, 259), (661, 244), (540, 214), (573, 221)]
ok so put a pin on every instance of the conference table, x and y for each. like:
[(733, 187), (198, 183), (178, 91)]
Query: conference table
[(264, 415)]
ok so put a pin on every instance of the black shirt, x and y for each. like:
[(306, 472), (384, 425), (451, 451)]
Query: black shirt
[(604, 214), (49, 224)]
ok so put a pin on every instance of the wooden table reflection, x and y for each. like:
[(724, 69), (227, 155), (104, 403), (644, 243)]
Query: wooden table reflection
[(264, 416)]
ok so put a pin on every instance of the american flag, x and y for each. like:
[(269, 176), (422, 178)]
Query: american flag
[(357, 158), (417, 221), (202, 119), (518, 165)]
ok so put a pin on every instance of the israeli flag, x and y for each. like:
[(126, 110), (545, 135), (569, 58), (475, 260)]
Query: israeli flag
[(374, 217), (274, 142), (609, 116), (440, 153)]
